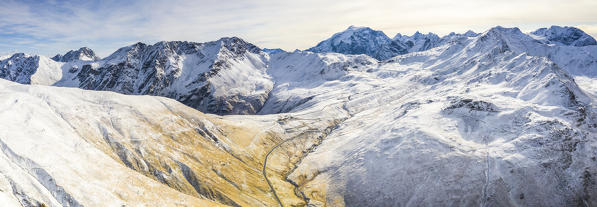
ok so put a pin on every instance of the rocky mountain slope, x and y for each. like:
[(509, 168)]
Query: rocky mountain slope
[(230, 76), (82, 54), (224, 77), (473, 123), (418, 41), (30, 69), (73, 147), (500, 118), (564, 36), (362, 40)]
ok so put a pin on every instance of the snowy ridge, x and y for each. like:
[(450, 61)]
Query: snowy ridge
[(82, 54), (299, 75), (272, 51), (361, 40), (67, 146), (189, 72), (230, 76), (455, 115), (418, 41), (27, 69), (48, 156), (564, 36), (500, 118), (19, 67)]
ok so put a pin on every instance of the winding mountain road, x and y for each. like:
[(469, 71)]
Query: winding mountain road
[(280, 144), (265, 167)]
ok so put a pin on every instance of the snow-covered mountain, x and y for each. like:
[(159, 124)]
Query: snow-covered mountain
[(83, 54), (30, 69), (228, 76), (479, 119), (499, 118), (224, 77), (418, 41), (19, 67), (364, 40), (272, 51), (72, 147), (361, 40), (564, 36)]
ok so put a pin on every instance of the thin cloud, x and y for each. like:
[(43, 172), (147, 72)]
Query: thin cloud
[(51, 27)]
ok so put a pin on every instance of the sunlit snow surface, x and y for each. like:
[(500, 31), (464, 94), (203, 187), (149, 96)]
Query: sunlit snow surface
[(495, 119), (46, 159), (479, 122)]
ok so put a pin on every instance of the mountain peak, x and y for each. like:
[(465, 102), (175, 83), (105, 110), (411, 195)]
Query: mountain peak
[(18, 55), (230, 40), (571, 36), (19, 67), (399, 36), (353, 27), (273, 50), (418, 34), (357, 31), (237, 45), (85, 49), (503, 33), (418, 41), (502, 30), (470, 33), (361, 40), (140, 44), (83, 53)]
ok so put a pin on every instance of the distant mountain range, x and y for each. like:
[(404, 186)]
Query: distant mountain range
[(498, 118), (197, 74)]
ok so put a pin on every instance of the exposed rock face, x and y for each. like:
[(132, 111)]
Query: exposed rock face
[(83, 54), (362, 40), (272, 51), (19, 68), (480, 118), (491, 119), (228, 76), (231, 76), (60, 146), (223, 77), (469, 104), (571, 36), (418, 41)]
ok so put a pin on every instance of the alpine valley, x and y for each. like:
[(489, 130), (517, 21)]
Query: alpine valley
[(498, 118)]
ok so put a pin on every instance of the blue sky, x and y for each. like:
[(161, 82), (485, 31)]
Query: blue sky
[(50, 27)]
